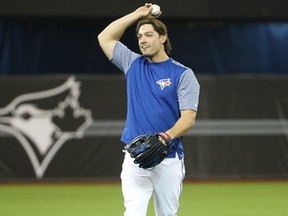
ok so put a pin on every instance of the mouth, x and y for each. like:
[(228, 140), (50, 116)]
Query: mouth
[(144, 47)]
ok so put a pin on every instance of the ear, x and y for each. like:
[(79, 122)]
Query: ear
[(163, 38)]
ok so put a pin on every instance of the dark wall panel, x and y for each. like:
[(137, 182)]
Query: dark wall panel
[(203, 9), (65, 127), (94, 9), (248, 9)]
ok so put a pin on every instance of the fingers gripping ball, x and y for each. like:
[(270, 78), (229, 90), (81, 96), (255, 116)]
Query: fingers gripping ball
[(155, 10), (148, 151)]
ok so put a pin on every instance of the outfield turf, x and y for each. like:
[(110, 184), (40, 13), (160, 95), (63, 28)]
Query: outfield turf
[(198, 199)]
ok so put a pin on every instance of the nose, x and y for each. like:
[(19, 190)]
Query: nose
[(142, 40)]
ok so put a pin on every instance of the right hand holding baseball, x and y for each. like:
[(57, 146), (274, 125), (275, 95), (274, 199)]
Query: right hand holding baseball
[(145, 11)]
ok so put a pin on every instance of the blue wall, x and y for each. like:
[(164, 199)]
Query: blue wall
[(49, 47)]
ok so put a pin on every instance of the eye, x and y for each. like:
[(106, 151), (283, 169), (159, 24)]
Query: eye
[(26, 115)]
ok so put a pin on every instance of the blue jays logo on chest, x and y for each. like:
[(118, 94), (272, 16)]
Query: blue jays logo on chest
[(164, 83)]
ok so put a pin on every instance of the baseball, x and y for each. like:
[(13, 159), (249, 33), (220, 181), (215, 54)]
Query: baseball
[(155, 10)]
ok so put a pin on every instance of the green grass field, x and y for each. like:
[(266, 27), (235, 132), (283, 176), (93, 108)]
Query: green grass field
[(198, 199)]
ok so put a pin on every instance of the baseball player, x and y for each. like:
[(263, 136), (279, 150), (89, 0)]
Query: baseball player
[(162, 96)]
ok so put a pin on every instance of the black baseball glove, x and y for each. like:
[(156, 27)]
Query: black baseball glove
[(148, 150)]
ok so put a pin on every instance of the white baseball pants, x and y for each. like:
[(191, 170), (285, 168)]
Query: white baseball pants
[(164, 182)]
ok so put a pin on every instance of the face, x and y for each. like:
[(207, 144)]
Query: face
[(150, 42)]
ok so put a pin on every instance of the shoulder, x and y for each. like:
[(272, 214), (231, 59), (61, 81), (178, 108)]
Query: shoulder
[(182, 72), (186, 75), (123, 56), (179, 65)]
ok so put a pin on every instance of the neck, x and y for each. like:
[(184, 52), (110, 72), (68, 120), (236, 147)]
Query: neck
[(158, 58)]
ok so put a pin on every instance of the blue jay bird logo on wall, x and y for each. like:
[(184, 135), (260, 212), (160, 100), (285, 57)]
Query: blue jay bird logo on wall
[(42, 132)]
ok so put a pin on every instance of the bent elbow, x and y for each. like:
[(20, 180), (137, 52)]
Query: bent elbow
[(190, 125), (100, 37), (192, 122)]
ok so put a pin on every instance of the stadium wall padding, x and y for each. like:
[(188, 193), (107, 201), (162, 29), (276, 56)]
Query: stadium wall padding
[(39, 47), (69, 127)]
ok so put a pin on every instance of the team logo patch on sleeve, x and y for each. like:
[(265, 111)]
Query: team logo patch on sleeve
[(164, 83)]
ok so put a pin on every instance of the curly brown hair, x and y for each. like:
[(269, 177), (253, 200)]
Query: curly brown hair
[(160, 28)]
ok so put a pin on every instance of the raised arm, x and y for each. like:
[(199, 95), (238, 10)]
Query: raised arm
[(113, 32)]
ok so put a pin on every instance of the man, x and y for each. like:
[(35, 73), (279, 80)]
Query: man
[(162, 97)]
